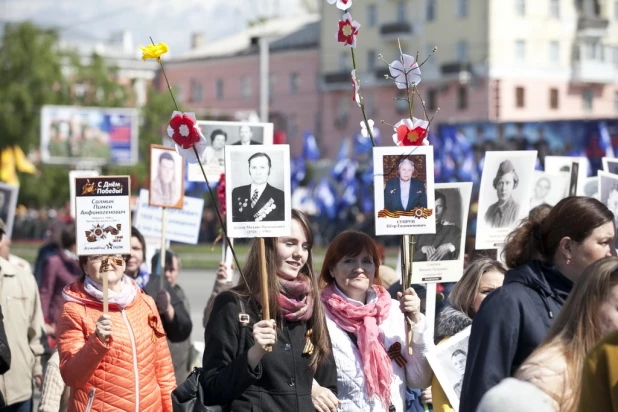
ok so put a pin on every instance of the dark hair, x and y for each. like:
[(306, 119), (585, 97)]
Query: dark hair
[(540, 212), (260, 154), (538, 237), (459, 352), (440, 196), (216, 133), (67, 237), (154, 262), (165, 155), (348, 243), (136, 233)]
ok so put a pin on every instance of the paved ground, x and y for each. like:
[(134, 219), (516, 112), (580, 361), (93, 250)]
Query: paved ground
[(197, 284)]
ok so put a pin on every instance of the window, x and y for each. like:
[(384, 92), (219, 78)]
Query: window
[(554, 9), (401, 12), (520, 97), (371, 60), (462, 97), (432, 100), (245, 87), (292, 125), (616, 102), (219, 89), (554, 52), (520, 7), (462, 51), (520, 51), (462, 8), (553, 99), (372, 15), (294, 79), (196, 91), (344, 61), (587, 97), (431, 10)]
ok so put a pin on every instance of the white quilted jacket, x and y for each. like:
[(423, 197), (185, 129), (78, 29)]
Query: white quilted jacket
[(350, 376)]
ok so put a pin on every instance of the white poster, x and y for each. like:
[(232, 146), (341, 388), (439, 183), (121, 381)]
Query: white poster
[(504, 197), (404, 190), (558, 164), (103, 215), (8, 204), (439, 257), (610, 165), (72, 175), (549, 188), (183, 225)]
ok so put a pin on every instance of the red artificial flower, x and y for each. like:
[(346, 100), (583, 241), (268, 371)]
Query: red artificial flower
[(411, 132), (184, 132), (221, 194), (348, 30)]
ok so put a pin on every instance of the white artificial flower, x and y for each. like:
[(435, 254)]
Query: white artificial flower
[(405, 68), (364, 130), (341, 4), (355, 96)]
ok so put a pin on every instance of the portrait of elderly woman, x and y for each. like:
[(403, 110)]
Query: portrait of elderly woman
[(405, 192), (505, 211)]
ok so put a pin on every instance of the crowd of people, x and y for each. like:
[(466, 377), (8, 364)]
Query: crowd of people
[(543, 321)]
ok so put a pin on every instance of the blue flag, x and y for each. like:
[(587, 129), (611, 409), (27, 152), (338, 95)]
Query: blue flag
[(311, 151), (326, 199)]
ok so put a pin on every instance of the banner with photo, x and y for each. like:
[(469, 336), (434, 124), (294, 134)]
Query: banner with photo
[(566, 164), (8, 205)]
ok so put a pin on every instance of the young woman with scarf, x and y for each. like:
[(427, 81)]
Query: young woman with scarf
[(239, 374), (368, 331)]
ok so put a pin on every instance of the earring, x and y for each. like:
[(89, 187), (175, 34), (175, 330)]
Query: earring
[(568, 262)]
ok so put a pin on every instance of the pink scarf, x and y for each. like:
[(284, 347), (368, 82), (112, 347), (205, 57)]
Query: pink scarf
[(295, 299), (363, 321)]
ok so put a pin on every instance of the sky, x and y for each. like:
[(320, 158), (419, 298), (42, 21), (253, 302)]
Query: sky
[(169, 21)]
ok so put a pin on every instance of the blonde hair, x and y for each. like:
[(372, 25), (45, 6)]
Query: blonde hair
[(578, 326), (463, 294)]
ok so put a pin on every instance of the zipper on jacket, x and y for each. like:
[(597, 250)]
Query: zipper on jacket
[(134, 349), (90, 399)]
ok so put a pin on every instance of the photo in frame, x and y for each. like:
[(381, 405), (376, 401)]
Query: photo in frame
[(558, 164), (404, 190), (8, 206), (608, 194), (72, 175), (439, 257), (218, 135), (166, 177), (258, 191), (504, 197), (549, 188)]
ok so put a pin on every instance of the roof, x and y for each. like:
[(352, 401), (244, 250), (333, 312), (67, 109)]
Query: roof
[(284, 33)]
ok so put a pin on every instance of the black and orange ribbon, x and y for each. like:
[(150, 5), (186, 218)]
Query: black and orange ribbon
[(419, 213), (309, 347), (153, 322), (394, 352)]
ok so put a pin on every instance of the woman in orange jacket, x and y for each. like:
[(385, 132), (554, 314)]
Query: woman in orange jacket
[(114, 361)]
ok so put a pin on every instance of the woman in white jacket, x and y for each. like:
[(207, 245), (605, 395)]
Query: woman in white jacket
[(367, 330)]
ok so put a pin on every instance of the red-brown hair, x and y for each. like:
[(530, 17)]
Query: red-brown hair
[(349, 243)]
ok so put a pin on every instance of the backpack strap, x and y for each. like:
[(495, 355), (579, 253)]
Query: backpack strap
[(243, 321)]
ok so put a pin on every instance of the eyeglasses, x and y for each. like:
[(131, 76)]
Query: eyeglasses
[(117, 259)]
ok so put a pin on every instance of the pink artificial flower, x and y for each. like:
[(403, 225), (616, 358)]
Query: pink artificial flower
[(348, 29), (341, 4), (405, 71), (411, 132), (355, 95)]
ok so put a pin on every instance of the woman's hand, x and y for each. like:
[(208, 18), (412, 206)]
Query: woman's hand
[(265, 334), (104, 328), (323, 399), (426, 396), (410, 304)]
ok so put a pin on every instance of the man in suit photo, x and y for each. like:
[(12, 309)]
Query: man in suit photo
[(445, 243), (405, 192), (258, 201), (245, 134)]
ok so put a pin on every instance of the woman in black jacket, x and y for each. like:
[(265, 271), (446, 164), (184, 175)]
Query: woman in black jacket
[(547, 256), (239, 374)]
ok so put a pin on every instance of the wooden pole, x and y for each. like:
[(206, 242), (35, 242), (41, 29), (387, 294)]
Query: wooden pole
[(162, 254), (264, 278), (105, 294), (228, 258), (430, 308)]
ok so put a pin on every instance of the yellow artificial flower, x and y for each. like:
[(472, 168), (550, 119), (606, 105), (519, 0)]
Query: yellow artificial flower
[(154, 51)]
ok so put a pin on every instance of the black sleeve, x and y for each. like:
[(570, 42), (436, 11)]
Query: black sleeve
[(491, 348), (326, 373), (5, 352), (179, 328), (226, 374), (388, 198)]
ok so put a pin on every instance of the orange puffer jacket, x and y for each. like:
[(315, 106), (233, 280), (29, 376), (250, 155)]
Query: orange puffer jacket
[(133, 372)]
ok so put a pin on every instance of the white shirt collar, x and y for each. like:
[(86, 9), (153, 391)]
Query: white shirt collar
[(372, 296), (260, 189)]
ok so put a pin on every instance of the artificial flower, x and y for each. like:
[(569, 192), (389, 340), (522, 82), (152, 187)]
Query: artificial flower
[(364, 130), (341, 4), (221, 194), (348, 29), (411, 132), (405, 71), (154, 51), (355, 95), (186, 134)]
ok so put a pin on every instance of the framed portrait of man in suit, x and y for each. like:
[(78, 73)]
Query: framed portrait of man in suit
[(439, 257), (258, 199), (218, 136), (404, 190)]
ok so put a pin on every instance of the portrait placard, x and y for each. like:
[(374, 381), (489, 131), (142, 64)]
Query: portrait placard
[(404, 190), (448, 361), (549, 188), (8, 204), (258, 199), (103, 215), (167, 172), (504, 197), (439, 257), (558, 164), (591, 188), (220, 134), (610, 165), (608, 193), (72, 175)]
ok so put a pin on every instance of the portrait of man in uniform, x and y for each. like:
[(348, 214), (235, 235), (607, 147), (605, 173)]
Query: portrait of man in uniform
[(505, 211), (445, 243), (405, 192), (258, 201)]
